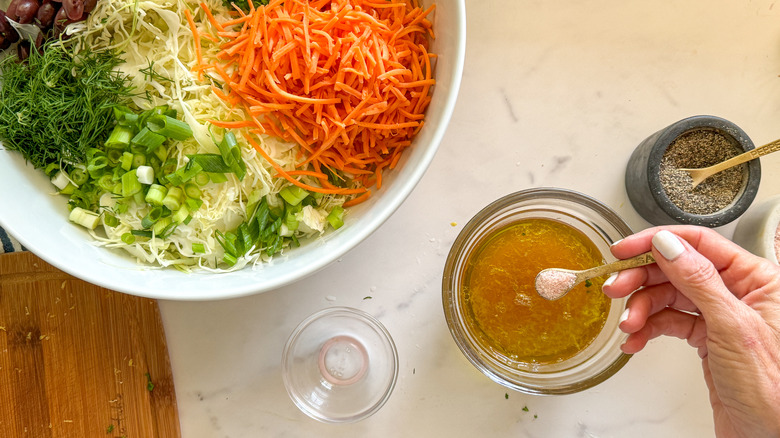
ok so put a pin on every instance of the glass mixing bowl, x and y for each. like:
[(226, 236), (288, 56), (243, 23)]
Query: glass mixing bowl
[(592, 365)]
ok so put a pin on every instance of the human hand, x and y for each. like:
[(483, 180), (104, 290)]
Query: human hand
[(725, 302)]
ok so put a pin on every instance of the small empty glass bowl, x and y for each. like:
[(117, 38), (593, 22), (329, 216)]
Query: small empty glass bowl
[(595, 363), (340, 365)]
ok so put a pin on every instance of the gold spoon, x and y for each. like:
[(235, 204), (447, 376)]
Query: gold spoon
[(699, 175), (554, 283)]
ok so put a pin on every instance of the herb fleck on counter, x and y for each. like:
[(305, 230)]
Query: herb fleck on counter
[(149, 383)]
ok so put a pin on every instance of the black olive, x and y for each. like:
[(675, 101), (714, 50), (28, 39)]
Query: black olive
[(11, 11), (45, 15), (26, 10), (74, 8)]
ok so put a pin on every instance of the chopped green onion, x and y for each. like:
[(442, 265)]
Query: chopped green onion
[(156, 195), (120, 207), (139, 160), (110, 220), (130, 184), (173, 199), (290, 221), (192, 190), (169, 166), (231, 153), (148, 139), (96, 165), (138, 198), (106, 182), (51, 168), (193, 205), (174, 178), (228, 242), (120, 137), (145, 174), (336, 217), (202, 179), (229, 259), (152, 217), (169, 127), (275, 245), (155, 163), (293, 195), (211, 163), (124, 115), (113, 156), (79, 175), (164, 110), (198, 248), (190, 171), (60, 180), (93, 153), (161, 153), (243, 240), (181, 214), (126, 161), (69, 189), (128, 238), (142, 233), (252, 202), (85, 218), (217, 178), (162, 227)]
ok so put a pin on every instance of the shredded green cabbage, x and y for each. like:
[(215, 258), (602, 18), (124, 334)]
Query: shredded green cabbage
[(159, 51)]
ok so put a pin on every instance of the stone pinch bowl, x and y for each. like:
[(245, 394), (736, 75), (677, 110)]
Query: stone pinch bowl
[(643, 182)]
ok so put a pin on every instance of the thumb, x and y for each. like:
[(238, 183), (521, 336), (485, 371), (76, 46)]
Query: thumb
[(694, 276)]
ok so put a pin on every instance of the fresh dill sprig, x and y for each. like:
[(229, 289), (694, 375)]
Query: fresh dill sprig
[(150, 73), (56, 106)]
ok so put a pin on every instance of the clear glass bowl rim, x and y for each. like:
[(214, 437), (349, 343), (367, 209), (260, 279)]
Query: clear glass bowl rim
[(365, 318)]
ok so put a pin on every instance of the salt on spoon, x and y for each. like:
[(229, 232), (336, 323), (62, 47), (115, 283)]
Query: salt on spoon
[(554, 283)]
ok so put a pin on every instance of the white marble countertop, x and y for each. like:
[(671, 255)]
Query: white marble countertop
[(553, 94)]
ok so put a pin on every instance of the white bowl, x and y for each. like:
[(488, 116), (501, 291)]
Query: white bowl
[(39, 220)]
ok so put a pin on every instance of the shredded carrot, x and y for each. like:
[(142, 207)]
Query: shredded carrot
[(211, 18), (233, 125), (196, 35), (357, 200), (348, 80)]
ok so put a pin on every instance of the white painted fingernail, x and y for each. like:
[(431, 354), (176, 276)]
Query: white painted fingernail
[(668, 245), (616, 242), (624, 316), (611, 279)]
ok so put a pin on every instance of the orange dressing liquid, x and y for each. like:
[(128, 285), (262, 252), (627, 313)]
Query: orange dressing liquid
[(503, 308)]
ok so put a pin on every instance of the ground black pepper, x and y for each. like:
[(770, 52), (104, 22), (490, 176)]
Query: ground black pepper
[(695, 149)]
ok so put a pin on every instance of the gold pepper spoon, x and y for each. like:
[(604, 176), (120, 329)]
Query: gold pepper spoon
[(699, 175)]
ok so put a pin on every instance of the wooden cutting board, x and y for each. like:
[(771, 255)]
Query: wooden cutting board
[(77, 360)]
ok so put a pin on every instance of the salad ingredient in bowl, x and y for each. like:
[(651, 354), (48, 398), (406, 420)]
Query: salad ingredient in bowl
[(39, 220), (231, 135)]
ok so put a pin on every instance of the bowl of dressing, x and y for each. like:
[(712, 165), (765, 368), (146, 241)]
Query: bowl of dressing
[(497, 319)]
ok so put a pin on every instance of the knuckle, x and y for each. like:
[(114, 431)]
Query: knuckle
[(700, 274)]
